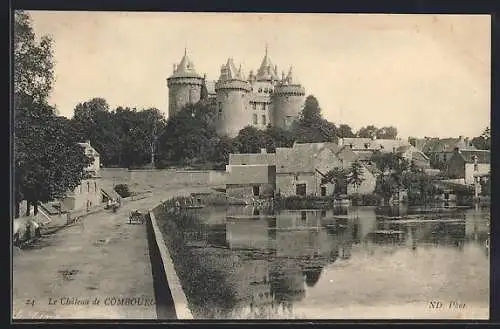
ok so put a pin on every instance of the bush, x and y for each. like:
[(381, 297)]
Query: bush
[(123, 190), (365, 199)]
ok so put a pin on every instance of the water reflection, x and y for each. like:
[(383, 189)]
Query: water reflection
[(278, 260)]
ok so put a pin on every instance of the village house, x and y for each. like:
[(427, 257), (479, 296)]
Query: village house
[(88, 194), (440, 150), (366, 147), (468, 164), (300, 169), (414, 156), (250, 176)]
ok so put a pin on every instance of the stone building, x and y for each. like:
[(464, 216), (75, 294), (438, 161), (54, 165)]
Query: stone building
[(88, 194), (465, 164), (440, 150), (259, 99), (300, 169), (250, 176)]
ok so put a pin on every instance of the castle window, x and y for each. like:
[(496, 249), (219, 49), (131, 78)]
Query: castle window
[(254, 105), (88, 186), (260, 90), (264, 120), (255, 119)]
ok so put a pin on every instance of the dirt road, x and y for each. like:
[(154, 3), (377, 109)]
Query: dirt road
[(87, 270)]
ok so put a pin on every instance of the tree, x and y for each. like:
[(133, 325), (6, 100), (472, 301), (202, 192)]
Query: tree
[(251, 140), (311, 127), (345, 131), (387, 133), (33, 64), (223, 146), (338, 177), (483, 142), (49, 165), (188, 137), (93, 122), (278, 137), (367, 132), (48, 162), (356, 175)]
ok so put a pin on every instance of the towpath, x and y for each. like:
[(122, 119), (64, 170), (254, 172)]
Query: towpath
[(97, 259)]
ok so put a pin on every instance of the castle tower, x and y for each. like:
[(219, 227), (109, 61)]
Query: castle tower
[(232, 100), (288, 100), (262, 84), (184, 86)]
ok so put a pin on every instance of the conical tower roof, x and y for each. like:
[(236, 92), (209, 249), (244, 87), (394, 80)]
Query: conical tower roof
[(230, 72), (267, 71), (185, 68)]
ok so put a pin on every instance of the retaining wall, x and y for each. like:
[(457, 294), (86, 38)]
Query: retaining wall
[(170, 298), (158, 178)]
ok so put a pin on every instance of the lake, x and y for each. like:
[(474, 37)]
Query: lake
[(346, 263)]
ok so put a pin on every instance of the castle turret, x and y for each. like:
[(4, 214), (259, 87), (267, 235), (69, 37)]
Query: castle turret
[(288, 99), (184, 86), (267, 72), (232, 100)]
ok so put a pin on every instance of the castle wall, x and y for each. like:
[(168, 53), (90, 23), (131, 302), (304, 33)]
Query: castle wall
[(183, 91), (233, 112), (287, 107)]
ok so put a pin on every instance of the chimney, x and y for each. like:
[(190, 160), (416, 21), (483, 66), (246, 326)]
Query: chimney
[(263, 151), (467, 142), (175, 67)]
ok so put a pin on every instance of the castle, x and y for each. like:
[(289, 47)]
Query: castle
[(259, 100)]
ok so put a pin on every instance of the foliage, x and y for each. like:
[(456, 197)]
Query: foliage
[(365, 199), (311, 127), (304, 202), (251, 140), (483, 142), (189, 136), (355, 176), (338, 177), (371, 131), (33, 64), (344, 131), (122, 190), (51, 164), (48, 161)]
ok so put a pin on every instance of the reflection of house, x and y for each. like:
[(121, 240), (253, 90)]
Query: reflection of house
[(250, 175), (252, 285), (88, 193), (465, 164), (247, 234)]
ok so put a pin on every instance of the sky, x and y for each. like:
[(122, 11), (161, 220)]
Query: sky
[(427, 75)]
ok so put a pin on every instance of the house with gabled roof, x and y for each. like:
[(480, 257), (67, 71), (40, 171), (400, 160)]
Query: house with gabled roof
[(300, 169), (468, 164), (440, 150)]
